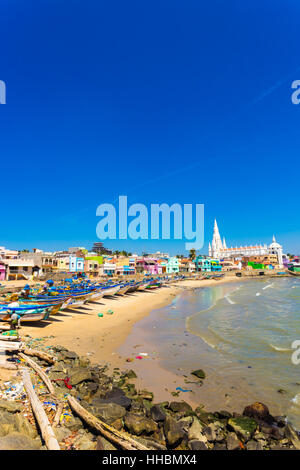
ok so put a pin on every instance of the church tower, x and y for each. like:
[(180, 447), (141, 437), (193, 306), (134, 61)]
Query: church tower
[(217, 246)]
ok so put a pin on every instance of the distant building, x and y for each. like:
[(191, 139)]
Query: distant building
[(218, 249), (100, 249)]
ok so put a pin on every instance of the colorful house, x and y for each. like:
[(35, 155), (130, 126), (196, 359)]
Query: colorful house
[(2, 272), (205, 264), (145, 265), (76, 264), (173, 265)]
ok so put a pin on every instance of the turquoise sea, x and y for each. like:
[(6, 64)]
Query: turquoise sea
[(240, 333)]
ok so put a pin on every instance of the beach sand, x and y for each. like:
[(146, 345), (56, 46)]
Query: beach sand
[(100, 338)]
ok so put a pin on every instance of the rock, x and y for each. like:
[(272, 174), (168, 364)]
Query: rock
[(117, 395), (173, 432), (24, 426), (87, 390), (11, 406), (84, 443), (197, 445), (10, 423), (138, 424), (232, 442), (219, 446), (185, 423), (204, 416), (109, 412), (7, 423), (68, 355), (105, 444), (62, 433), (195, 431), (199, 373), (258, 411), (74, 423), (17, 441), (244, 427), (180, 407), (293, 436), (213, 432), (254, 445), (130, 374), (157, 413), (146, 395), (272, 431), (82, 362), (223, 414), (78, 375)]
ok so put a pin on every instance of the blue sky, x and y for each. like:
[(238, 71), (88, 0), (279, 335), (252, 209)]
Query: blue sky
[(163, 101)]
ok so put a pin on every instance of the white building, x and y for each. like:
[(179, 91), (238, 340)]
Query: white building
[(219, 249)]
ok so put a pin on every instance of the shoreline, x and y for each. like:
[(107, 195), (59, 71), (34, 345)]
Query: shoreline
[(101, 338)]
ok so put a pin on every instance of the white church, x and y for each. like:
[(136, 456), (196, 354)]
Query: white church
[(218, 249)]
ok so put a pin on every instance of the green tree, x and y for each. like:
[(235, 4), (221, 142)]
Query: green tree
[(192, 254)]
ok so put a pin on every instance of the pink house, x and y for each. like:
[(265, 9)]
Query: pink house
[(148, 265), (2, 272)]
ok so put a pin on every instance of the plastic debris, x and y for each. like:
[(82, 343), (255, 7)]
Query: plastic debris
[(100, 315), (183, 389)]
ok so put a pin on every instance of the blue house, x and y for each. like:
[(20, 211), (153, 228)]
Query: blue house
[(76, 264)]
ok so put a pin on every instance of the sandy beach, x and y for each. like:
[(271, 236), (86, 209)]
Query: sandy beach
[(101, 337)]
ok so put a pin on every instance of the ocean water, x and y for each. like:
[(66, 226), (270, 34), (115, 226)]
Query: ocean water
[(240, 334)]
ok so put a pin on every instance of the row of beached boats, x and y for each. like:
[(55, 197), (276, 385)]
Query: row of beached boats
[(37, 306)]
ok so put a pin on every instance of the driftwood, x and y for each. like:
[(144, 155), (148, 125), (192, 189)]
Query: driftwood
[(40, 354), (39, 412), (9, 338), (117, 437), (10, 345), (39, 371), (57, 415)]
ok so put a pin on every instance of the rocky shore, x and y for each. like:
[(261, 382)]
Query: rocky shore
[(113, 399)]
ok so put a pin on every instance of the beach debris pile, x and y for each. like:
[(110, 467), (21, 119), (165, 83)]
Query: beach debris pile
[(93, 408)]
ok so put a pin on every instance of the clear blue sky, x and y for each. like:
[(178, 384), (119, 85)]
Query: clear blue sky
[(163, 101)]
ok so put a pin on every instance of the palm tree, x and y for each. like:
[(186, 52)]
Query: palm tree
[(192, 254)]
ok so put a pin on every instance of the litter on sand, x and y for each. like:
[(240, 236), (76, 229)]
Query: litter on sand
[(100, 315), (183, 389)]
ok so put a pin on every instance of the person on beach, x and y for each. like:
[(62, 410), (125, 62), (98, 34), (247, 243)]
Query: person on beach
[(25, 291), (15, 321)]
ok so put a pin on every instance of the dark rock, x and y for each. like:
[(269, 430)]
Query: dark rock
[(254, 445), (223, 414), (79, 374), (130, 374), (180, 407), (199, 373), (74, 423), (219, 446), (116, 395), (232, 442), (258, 411), (273, 431), (109, 412), (157, 413), (138, 424), (197, 445), (68, 355), (173, 432)]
